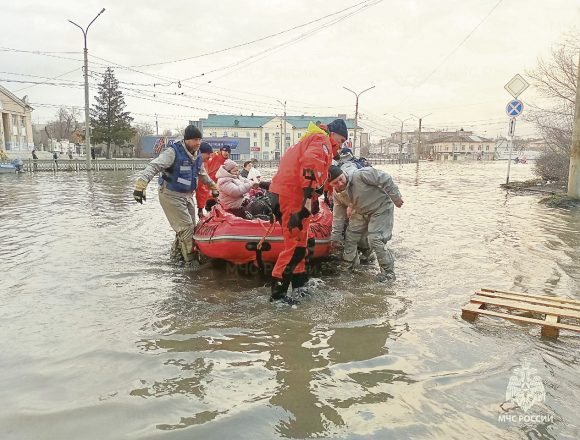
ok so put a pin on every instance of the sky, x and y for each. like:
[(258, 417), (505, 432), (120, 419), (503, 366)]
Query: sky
[(448, 59)]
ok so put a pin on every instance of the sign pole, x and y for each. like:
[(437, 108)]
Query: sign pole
[(514, 108), (512, 129)]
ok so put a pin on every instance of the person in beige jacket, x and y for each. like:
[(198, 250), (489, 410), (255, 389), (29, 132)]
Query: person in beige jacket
[(369, 194)]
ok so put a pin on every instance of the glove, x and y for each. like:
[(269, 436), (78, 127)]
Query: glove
[(215, 193), (308, 192), (296, 219), (139, 193)]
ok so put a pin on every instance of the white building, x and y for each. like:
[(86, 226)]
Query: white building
[(16, 124)]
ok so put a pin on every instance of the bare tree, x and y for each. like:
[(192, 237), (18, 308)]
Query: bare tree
[(65, 124), (178, 131), (141, 130), (555, 81)]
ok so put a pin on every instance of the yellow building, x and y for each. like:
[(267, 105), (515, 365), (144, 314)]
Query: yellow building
[(462, 146), (16, 125)]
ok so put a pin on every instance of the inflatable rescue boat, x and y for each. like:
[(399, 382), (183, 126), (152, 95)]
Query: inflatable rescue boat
[(222, 235)]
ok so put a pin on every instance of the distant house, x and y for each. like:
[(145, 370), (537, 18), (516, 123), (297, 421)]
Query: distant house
[(16, 125), (462, 146)]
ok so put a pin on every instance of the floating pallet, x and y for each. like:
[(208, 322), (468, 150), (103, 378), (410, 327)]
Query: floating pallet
[(555, 313)]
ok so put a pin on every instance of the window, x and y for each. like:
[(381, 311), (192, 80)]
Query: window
[(255, 144), (22, 121), (471, 147), (265, 156), (235, 157), (267, 136), (235, 134), (479, 147), (487, 148), (255, 134), (225, 134), (213, 134), (299, 134), (266, 143), (463, 148)]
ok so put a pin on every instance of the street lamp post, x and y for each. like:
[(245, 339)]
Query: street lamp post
[(356, 113), (420, 118), (283, 148), (402, 121), (87, 128)]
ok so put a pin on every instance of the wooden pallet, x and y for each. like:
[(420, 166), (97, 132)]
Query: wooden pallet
[(552, 310)]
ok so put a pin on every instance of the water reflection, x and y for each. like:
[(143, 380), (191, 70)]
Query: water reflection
[(99, 325)]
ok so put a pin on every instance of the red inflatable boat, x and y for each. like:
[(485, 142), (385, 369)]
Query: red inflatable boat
[(225, 236)]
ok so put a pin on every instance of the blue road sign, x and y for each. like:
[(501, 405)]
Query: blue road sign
[(514, 108)]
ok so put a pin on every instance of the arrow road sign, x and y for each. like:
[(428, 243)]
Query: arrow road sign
[(514, 108)]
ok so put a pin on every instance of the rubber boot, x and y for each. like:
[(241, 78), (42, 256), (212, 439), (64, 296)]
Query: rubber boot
[(176, 250), (300, 284), (386, 275), (279, 289), (367, 256)]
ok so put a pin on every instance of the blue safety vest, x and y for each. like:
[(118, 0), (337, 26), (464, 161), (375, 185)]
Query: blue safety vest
[(182, 175)]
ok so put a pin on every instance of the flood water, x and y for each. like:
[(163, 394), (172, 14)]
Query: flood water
[(104, 337)]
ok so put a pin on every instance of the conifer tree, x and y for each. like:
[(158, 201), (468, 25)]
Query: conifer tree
[(110, 123)]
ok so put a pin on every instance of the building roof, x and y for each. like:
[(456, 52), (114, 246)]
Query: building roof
[(236, 121), (14, 97), (460, 138), (240, 121)]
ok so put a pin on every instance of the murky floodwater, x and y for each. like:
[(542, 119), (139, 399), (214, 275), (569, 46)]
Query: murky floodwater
[(103, 337)]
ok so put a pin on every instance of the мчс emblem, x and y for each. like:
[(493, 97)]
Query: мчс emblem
[(525, 389)]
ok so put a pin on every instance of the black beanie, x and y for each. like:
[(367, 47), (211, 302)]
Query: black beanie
[(338, 126), (191, 132), (334, 172), (205, 148)]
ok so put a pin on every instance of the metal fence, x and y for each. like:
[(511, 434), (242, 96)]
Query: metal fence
[(39, 165)]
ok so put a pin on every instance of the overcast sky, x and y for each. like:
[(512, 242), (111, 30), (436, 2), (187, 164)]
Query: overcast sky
[(450, 58)]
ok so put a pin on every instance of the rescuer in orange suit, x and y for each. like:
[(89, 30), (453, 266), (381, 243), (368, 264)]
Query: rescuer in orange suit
[(303, 169), (215, 161)]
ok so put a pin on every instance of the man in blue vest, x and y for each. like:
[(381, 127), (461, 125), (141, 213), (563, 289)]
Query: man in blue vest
[(180, 166)]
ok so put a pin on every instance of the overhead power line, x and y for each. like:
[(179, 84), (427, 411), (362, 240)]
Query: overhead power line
[(257, 40)]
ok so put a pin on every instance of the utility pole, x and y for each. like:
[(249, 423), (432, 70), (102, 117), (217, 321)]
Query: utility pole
[(574, 173), (87, 120), (356, 114), (420, 118), (283, 147), (402, 121), (156, 125)]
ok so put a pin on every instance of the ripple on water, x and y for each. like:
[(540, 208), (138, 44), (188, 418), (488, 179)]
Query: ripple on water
[(99, 325)]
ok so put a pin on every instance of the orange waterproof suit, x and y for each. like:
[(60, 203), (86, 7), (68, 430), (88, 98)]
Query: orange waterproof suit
[(304, 165)]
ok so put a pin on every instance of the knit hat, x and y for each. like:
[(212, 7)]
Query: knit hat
[(334, 172), (205, 148), (229, 165), (191, 132), (226, 148), (338, 126)]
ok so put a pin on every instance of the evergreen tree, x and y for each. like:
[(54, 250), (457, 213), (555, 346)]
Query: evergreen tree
[(110, 123)]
